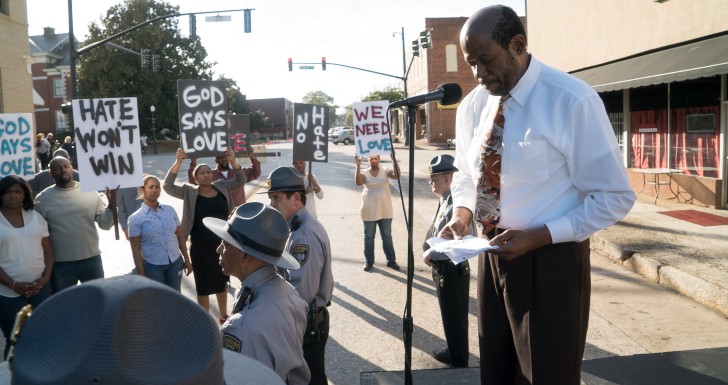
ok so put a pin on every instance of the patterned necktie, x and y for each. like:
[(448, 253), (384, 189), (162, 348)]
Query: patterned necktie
[(487, 206)]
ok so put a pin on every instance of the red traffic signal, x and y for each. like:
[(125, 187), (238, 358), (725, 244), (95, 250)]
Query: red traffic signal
[(323, 63), (290, 64)]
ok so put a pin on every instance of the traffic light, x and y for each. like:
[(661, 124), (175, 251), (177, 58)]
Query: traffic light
[(290, 64), (157, 65), (145, 57), (246, 21), (425, 39), (193, 25), (323, 63), (415, 48)]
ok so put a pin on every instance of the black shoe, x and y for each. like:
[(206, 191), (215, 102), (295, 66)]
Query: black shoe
[(393, 265), (442, 356), (368, 266)]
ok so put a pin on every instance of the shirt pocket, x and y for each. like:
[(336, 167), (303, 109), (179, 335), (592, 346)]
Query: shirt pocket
[(526, 162)]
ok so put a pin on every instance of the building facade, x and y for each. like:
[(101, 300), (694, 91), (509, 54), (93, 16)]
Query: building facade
[(51, 84), (442, 62), (660, 67), (280, 118), (16, 91)]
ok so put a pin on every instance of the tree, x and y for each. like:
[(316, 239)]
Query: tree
[(236, 102), (106, 72), (320, 98), (258, 120)]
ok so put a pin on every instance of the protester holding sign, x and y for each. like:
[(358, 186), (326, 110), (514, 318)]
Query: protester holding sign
[(376, 208), (26, 256), (206, 199), (72, 216), (224, 171)]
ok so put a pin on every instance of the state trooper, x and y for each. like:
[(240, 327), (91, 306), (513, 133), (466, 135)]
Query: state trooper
[(309, 244), (452, 282), (269, 317)]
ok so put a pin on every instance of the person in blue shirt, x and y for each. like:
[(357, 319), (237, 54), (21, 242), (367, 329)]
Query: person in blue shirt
[(156, 239)]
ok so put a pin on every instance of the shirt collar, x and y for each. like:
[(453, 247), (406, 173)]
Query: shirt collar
[(148, 208), (523, 88)]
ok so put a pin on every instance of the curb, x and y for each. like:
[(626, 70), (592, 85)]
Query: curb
[(695, 288)]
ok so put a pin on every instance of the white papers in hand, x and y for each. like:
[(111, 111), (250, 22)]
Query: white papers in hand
[(459, 250)]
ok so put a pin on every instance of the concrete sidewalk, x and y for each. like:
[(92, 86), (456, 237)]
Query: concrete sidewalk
[(688, 258)]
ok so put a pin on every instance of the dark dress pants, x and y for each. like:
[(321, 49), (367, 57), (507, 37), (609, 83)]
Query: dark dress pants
[(454, 297), (314, 349), (533, 314)]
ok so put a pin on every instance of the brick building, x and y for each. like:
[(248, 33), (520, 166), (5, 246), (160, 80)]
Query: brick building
[(441, 63), (50, 68), (280, 118), (16, 91)]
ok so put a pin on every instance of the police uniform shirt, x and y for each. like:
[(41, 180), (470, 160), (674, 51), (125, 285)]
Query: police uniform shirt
[(309, 244), (270, 327)]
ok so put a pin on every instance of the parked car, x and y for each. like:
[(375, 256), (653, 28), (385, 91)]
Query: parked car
[(333, 130), (345, 136)]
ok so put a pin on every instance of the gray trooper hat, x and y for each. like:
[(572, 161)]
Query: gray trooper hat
[(259, 230), (442, 164), (119, 326), (285, 179)]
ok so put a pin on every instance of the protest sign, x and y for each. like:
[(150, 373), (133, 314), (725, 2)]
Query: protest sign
[(371, 130), (17, 147), (310, 132), (202, 117), (239, 132), (107, 143)]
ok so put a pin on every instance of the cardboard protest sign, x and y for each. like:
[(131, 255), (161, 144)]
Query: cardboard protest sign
[(107, 143), (202, 117), (239, 132), (371, 130), (310, 132), (17, 145)]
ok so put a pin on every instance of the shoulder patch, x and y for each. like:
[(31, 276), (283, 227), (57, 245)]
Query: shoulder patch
[(300, 252), (230, 342)]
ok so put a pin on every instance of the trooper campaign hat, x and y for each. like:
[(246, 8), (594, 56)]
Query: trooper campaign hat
[(258, 230), (442, 164), (285, 179), (127, 330)]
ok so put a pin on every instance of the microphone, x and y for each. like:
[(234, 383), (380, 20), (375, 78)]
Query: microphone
[(446, 94)]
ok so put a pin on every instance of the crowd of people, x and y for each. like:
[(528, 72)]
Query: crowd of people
[(536, 172)]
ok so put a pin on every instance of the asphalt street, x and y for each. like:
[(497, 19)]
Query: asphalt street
[(629, 315)]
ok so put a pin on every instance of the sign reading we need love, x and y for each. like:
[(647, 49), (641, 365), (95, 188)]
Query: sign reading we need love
[(17, 148), (371, 130)]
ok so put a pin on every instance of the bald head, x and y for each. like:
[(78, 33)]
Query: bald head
[(493, 42), (61, 171), (61, 152)]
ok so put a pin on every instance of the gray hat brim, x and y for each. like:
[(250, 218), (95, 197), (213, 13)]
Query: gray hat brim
[(233, 364), (219, 227)]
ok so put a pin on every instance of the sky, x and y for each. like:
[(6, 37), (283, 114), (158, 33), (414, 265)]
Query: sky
[(364, 34)]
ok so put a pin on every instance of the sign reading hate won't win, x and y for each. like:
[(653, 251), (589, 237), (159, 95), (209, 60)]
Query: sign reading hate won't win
[(371, 129), (107, 143), (202, 117), (17, 147)]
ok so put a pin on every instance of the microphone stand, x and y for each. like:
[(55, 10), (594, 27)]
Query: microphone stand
[(407, 321)]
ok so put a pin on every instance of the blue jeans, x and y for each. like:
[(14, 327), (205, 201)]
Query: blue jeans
[(169, 274), (67, 274), (10, 306), (385, 231)]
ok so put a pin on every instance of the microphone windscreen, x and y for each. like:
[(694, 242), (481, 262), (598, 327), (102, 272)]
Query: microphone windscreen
[(451, 93)]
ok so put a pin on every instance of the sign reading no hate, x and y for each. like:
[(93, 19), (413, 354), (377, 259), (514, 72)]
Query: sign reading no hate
[(17, 148), (371, 130), (310, 132), (202, 117), (107, 143)]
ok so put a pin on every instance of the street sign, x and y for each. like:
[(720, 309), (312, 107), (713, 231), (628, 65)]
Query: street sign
[(214, 19), (305, 67)]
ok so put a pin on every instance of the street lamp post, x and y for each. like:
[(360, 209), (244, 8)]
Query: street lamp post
[(154, 131)]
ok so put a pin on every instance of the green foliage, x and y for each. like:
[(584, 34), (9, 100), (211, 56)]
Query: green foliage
[(236, 101), (258, 120), (107, 72), (390, 93), (320, 98)]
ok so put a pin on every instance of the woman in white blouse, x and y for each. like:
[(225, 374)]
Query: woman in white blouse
[(26, 256)]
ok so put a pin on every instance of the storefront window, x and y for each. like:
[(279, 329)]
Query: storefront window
[(648, 119)]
